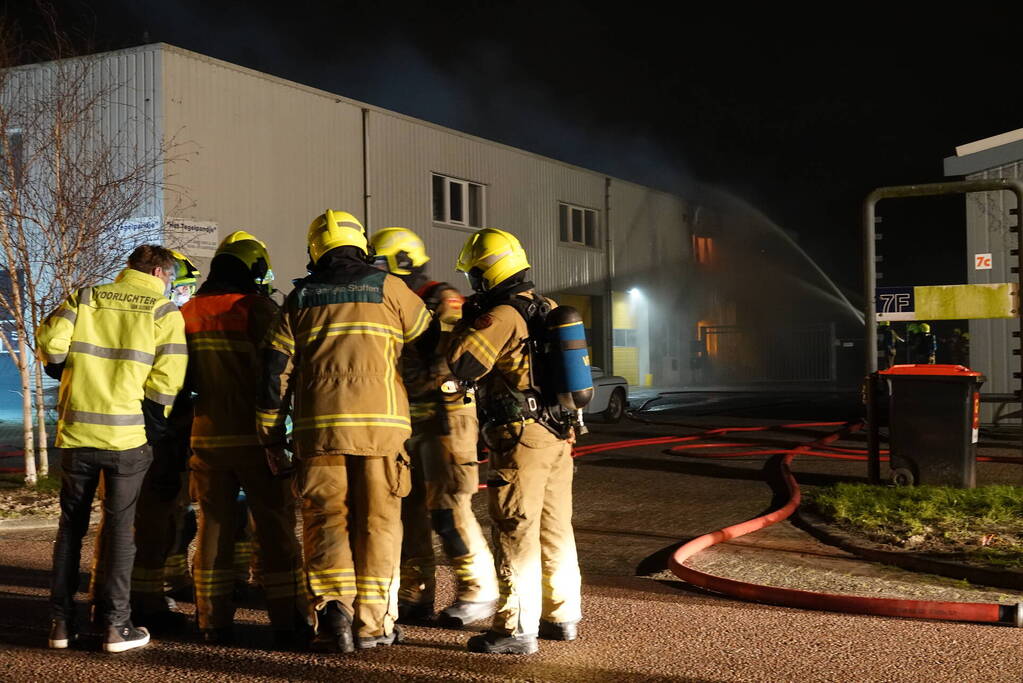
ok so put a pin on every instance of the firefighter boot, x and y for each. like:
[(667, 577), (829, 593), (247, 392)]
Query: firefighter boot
[(463, 612), (501, 644), (333, 630), (565, 630)]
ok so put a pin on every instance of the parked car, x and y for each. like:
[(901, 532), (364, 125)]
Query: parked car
[(610, 396)]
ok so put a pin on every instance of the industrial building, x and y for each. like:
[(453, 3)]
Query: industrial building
[(670, 287), (991, 231)]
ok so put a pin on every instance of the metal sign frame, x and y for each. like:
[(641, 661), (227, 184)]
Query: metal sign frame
[(870, 279)]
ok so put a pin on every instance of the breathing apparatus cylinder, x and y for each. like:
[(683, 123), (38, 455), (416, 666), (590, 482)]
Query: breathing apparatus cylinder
[(569, 359)]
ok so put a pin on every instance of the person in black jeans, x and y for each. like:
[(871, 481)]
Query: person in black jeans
[(120, 354), (122, 472)]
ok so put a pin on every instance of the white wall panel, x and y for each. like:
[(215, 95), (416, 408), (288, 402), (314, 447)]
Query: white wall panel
[(260, 154)]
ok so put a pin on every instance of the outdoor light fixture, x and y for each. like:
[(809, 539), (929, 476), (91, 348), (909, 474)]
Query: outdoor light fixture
[(634, 292)]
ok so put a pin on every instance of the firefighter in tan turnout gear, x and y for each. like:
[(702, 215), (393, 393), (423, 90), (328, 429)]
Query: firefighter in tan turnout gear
[(530, 482), (335, 352), (445, 472), (225, 324)]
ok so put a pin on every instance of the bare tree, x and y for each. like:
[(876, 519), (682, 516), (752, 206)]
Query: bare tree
[(82, 177)]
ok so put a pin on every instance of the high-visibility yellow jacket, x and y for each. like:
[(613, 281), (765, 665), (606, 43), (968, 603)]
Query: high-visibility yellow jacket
[(225, 331), (335, 348), (120, 343)]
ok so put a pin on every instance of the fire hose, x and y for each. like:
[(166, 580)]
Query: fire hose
[(787, 597)]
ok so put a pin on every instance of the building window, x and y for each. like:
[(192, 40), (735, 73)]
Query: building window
[(458, 202), (12, 158), (577, 225), (703, 250)]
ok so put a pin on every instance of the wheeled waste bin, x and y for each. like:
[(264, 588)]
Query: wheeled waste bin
[(933, 417)]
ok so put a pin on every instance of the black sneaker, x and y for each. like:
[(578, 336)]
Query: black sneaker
[(62, 634), (393, 638), (333, 630), (414, 612), (463, 612), (501, 644), (558, 630), (124, 637)]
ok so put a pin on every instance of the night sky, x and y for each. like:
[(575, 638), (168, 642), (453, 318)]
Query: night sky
[(799, 114)]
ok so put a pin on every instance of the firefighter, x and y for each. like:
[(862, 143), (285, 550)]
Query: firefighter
[(119, 352), (530, 482), (888, 340), (442, 451), (225, 323), (164, 496), (923, 347), (336, 348)]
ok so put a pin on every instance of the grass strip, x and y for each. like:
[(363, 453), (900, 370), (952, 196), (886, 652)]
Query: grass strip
[(982, 525)]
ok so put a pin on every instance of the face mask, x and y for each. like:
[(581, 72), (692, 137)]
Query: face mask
[(180, 298)]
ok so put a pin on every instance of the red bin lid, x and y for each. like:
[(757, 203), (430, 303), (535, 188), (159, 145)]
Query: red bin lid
[(931, 370)]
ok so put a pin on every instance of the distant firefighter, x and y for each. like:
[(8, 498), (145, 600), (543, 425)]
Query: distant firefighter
[(923, 345), (887, 341)]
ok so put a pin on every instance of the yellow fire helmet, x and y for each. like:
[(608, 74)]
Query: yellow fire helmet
[(925, 328), (333, 229), (495, 254), (401, 248), (251, 251), (185, 272)]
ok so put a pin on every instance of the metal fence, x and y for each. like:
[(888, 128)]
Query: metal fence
[(739, 355)]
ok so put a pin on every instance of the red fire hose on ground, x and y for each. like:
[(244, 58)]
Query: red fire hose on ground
[(921, 609)]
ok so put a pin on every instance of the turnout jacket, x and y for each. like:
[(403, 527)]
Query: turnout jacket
[(335, 348), (425, 372), (120, 343), (225, 331), (491, 349)]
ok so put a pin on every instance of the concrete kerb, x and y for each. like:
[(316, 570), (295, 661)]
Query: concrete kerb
[(37, 522), (917, 562)]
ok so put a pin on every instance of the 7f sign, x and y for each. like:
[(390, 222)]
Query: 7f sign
[(895, 303)]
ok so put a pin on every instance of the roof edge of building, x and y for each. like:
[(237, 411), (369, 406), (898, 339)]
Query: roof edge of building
[(984, 160)]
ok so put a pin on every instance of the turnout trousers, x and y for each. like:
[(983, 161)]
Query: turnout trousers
[(217, 475), (351, 518), (530, 490), (161, 507), (445, 476)]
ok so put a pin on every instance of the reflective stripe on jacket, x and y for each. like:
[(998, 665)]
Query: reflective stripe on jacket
[(337, 345), (120, 343), (225, 331)]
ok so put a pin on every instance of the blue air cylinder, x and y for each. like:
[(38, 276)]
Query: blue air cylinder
[(570, 364)]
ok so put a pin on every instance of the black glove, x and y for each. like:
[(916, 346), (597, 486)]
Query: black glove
[(157, 428), (54, 370), (472, 308)]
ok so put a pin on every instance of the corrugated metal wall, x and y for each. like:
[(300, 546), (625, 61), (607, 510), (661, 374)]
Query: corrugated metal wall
[(128, 120), (991, 341), (522, 195), (260, 154), (653, 252)]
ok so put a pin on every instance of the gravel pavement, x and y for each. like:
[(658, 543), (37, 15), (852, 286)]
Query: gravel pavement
[(632, 507)]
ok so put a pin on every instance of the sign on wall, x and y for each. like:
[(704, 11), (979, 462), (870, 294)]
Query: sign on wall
[(196, 239), (947, 302), (982, 261)]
